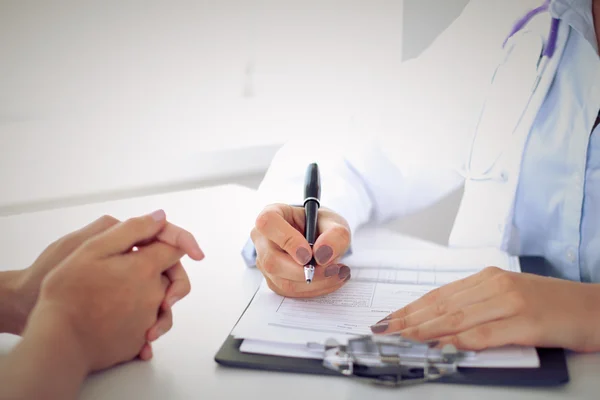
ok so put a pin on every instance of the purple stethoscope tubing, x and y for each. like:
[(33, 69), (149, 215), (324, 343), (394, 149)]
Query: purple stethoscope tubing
[(547, 53), (552, 35)]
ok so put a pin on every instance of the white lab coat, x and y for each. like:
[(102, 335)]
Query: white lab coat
[(411, 160)]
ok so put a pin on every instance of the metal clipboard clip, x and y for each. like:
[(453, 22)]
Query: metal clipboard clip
[(390, 360)]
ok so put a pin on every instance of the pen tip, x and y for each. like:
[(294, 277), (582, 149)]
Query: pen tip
[(309, 272)]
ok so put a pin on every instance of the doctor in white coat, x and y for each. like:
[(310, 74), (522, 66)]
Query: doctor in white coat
[(505, 103)]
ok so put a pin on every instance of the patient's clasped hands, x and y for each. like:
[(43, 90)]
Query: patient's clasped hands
[(111, 285)]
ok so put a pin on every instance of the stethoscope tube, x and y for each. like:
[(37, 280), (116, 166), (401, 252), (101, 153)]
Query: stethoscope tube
[(547, 53)]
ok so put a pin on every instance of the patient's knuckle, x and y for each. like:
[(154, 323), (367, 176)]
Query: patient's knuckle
[(66, 244), (186, 287), (135, 224), (106, 221), (169, 322), (91, 246), (165, 282)]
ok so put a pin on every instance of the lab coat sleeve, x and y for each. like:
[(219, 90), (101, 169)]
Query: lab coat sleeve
[(360, 179)]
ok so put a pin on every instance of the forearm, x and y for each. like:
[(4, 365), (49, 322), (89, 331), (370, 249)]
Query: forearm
[(12, 314), (45, 364)]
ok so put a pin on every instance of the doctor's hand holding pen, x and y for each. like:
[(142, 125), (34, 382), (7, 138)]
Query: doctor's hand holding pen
[(282, 250)]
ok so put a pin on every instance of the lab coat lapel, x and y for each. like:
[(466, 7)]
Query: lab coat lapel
[(486, 212)]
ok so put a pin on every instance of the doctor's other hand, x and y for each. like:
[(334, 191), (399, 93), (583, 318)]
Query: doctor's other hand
[(282, 251), (494, 308), (105, 297)]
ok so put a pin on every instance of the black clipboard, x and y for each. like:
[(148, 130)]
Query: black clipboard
[(552, 371)]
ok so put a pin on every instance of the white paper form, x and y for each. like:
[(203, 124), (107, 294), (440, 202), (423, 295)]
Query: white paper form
[(284, 326), (348, 312), (422, 267), (289, 324)]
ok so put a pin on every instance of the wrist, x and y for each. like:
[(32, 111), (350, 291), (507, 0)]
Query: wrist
[(52, 328), (47, 362), (14, 309)]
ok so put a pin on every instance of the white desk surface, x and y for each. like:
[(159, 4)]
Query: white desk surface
[(183, 366)]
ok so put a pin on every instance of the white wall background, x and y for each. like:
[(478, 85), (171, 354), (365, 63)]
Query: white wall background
[(104, 97), (109, 99), (423, 20)]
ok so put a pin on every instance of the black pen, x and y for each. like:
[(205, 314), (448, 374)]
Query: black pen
[(312, 202)]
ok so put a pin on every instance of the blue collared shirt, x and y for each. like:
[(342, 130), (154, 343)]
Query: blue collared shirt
[(557, 207)]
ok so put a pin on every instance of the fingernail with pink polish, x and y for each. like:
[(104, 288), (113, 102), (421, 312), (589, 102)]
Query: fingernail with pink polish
[(158, 215), (323, 254), (332, 270), (379, 328), (344, 272), (303, 255)]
